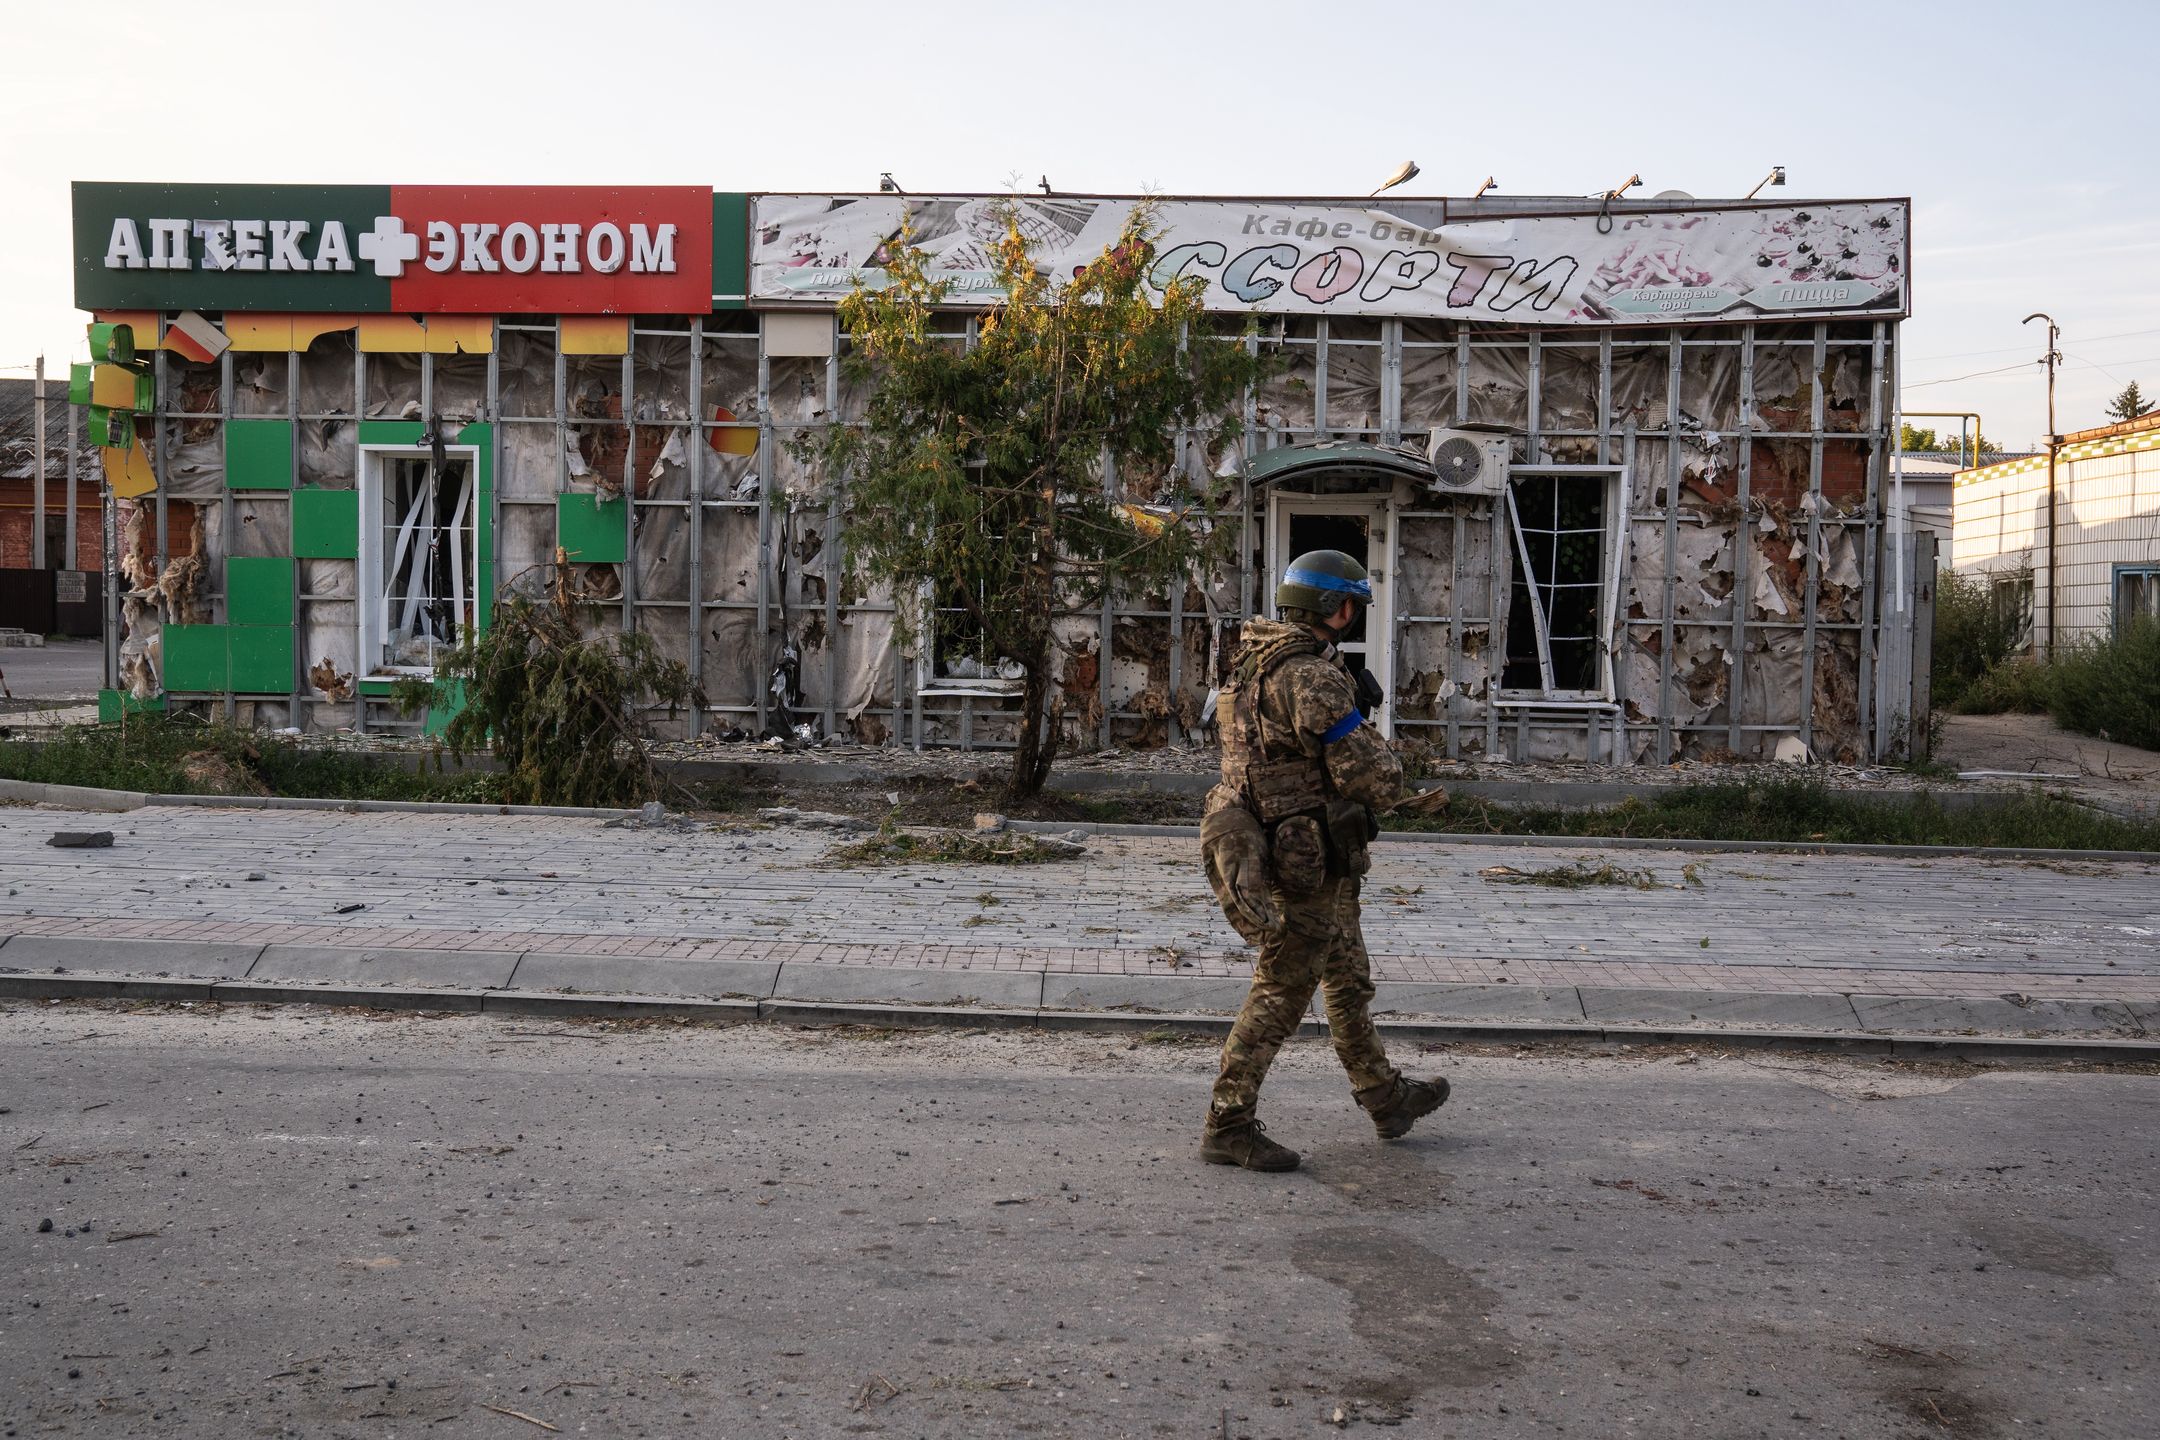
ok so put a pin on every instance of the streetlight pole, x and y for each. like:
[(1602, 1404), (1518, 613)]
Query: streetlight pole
[(2054, 448)]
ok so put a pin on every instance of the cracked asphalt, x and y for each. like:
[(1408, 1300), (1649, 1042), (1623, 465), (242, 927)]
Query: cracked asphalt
[(284, 1222)]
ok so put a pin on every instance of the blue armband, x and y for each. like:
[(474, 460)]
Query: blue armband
[(1341, 729)]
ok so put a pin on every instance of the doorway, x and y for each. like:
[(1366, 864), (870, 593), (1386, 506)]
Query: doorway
[(1359, 526), (419, 556)]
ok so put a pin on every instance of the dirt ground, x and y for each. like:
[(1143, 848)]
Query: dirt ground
[(2119, 778)]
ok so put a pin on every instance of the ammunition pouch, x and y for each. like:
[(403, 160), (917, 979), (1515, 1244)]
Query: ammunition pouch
[(1234, 849), (1298, 847)]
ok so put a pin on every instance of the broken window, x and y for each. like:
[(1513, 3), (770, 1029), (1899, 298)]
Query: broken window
[(1560, 612), (420, 562), (2012, 596), (2137, 595)]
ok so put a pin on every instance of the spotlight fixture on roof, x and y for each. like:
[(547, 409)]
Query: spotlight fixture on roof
[(887, 185), (1775, 177), (1488, 184), (1403, 176)]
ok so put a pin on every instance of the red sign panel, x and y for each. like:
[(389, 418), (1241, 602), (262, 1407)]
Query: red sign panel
[(505, 250)]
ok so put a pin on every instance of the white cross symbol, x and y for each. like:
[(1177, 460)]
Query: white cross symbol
[(388, 245)]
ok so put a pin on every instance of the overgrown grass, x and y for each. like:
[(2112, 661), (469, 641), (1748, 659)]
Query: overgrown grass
[(1803, 812), (153, 753), (1975, 632)]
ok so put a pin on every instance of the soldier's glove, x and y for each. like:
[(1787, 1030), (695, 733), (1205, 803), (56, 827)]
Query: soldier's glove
[(1370, 696)]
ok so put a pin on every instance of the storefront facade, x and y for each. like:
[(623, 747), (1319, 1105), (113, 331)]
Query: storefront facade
[(1620, 469)]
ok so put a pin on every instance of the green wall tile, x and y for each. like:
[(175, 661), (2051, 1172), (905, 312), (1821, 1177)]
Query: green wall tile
[(593, 530), (326, 524), (391, 432), (262, 659), (113, 704), (195, 658), (259, 590), (258, 454)]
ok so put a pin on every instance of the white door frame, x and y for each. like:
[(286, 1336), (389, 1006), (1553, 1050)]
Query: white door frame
[(370, 605), (1377, 650)]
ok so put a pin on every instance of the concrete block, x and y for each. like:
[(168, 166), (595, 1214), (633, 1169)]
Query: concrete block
[(485, 969), (1182, 994), (2145, 1012), (886, 984), (42, 987), (1552, 1004), (206, 959), (1961, 1012), (1136, 1022), (1618, 1006), (628, 975)]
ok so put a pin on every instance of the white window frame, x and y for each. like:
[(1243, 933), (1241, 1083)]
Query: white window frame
[(1376, 652), (369, 600), (1617, 489)]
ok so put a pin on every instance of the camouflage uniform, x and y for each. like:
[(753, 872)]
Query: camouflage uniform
[(1306, 707)]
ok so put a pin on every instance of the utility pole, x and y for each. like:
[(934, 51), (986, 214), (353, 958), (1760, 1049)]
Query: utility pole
[(37, 506), (2054, 449)]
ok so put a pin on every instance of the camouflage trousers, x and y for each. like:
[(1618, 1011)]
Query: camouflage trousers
[(1322, 947)]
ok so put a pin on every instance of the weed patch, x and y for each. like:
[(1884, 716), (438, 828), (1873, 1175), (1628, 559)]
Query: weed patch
[(183, 755)]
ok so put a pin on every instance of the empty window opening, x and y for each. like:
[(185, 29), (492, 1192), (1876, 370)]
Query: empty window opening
[(1559, 613), (421, 581), (2012, 597), (1352, 535)]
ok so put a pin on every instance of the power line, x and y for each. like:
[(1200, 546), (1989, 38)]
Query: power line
[(1953, 379), (2013, 349)]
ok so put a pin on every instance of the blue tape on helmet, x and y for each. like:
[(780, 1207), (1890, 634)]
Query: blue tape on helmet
[(1342, 728), (1314, 579)]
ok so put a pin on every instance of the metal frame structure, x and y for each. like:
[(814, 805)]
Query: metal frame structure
[(1579, 398)]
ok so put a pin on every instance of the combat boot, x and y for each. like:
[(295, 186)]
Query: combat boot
[(1403, 1104), (1245, 1143)]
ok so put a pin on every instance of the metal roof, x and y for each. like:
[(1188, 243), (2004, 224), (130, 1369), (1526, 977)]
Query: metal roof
[(1391, 462)]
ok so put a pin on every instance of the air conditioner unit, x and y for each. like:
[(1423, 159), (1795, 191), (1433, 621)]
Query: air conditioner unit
[(1468, 462)]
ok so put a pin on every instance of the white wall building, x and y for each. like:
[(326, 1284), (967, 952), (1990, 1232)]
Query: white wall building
[(2101, 564)]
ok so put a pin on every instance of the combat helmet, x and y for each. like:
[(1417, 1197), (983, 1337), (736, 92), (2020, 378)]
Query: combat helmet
[(1317, 582)]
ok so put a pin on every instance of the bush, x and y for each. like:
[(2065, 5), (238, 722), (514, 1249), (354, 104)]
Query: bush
[(558, 706), (1975, 633), (2020, 684), (2110, 686)]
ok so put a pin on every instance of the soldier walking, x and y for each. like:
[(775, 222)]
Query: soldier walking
[(1285, 839)]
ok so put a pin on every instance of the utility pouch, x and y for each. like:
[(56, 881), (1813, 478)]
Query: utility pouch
[(1351, 829), (1234, 849), (1281, 788), (1299, 849)]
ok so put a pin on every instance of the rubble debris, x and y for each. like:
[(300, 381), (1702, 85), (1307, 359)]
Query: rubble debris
[(813, 819), (210, 773), (1573, 876), (81, 839)]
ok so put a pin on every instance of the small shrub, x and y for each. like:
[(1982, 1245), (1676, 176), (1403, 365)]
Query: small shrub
[(2019, 685), (558, 707), (2110, 686), (1974, 633)]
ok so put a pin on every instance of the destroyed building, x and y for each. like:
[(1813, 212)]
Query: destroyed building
[(1619, 467)]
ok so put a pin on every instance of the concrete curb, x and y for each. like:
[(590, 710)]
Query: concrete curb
[(889, 1016), (84, 797)]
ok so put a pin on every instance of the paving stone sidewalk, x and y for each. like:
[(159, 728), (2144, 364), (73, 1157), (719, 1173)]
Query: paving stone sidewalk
[(572, 903)]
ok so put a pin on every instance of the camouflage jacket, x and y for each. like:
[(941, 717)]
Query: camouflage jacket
[(1305, 710)]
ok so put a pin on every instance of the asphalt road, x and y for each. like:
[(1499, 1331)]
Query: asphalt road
[(279, 1222)]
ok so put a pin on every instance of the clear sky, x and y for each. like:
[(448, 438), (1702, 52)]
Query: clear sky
[(2023, 132)]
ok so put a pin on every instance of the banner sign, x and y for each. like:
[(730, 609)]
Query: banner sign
[(411, 249), (1290, 258)]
